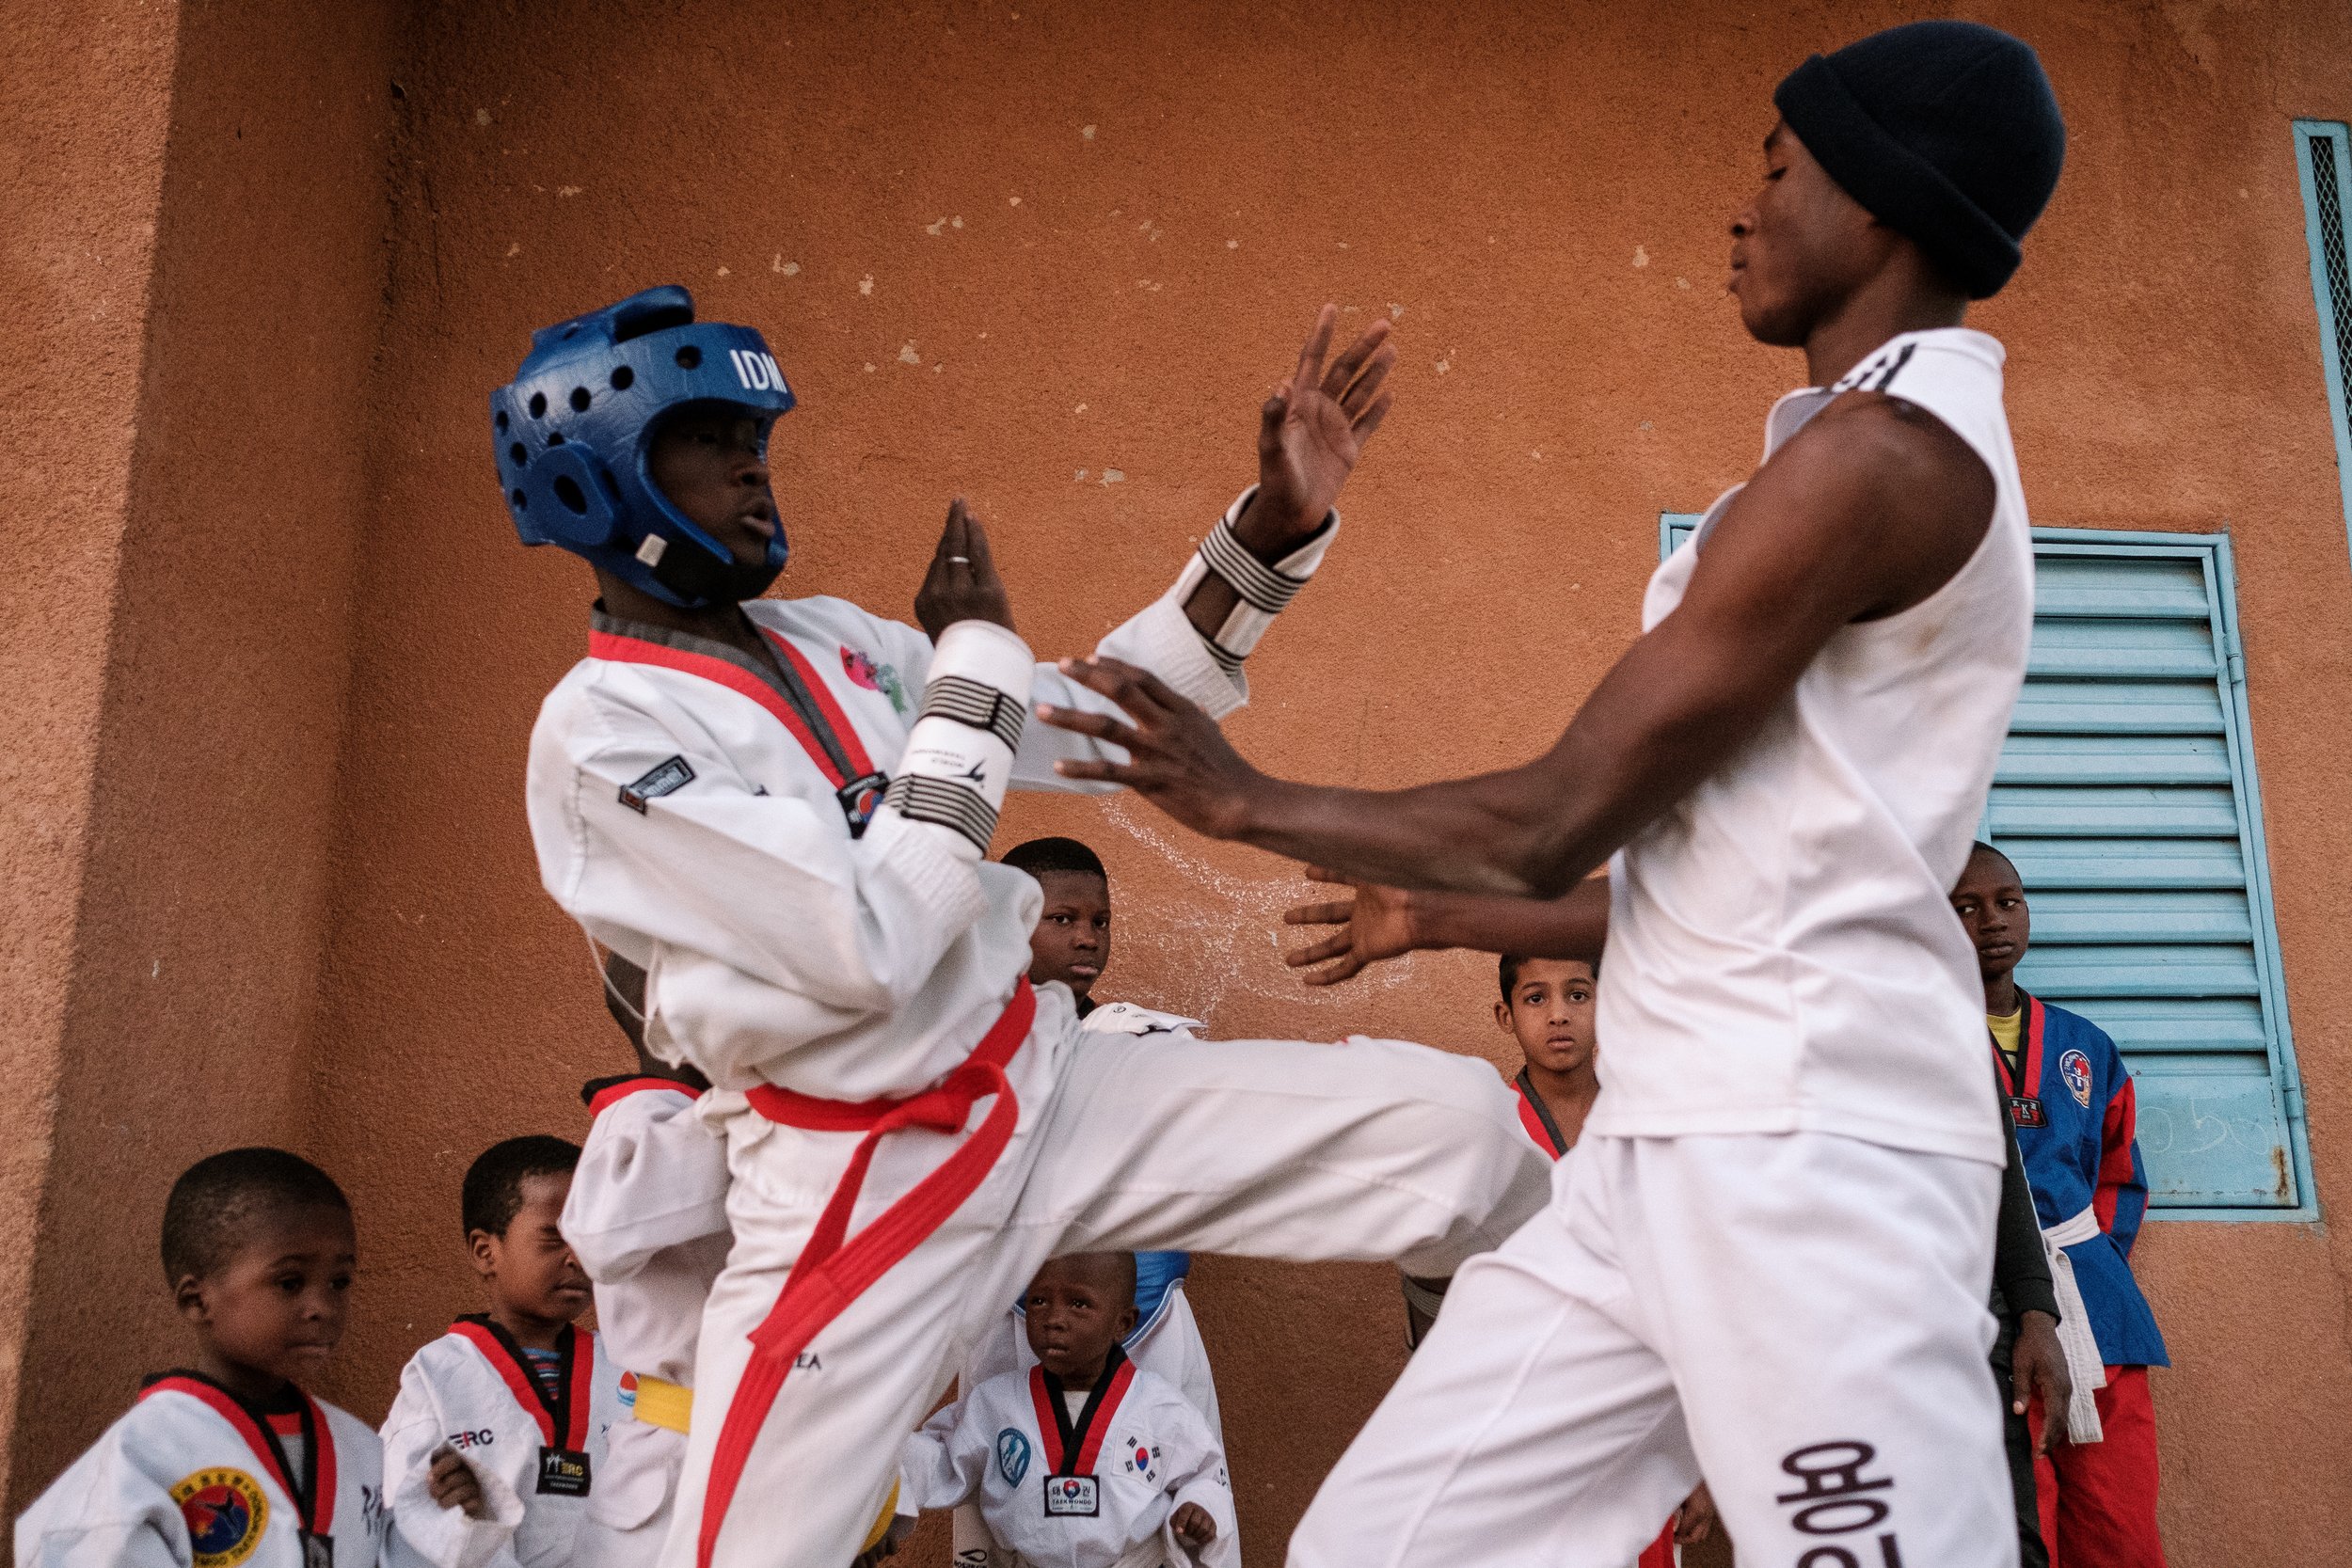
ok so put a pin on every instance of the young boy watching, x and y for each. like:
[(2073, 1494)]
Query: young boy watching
[(2072, 1103), (524, 1397), (1548, 1007), (1085, 1461), (1071, 944), (648, 1219), (230, 1461)]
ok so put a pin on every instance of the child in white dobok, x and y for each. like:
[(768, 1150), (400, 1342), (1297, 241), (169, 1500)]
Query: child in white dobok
[(1086, 1460)]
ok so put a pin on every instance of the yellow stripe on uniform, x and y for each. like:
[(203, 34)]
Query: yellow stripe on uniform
[(882, 1521)]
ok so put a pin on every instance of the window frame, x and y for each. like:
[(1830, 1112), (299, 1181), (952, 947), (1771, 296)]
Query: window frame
[(2213, 551), (2333, 333)]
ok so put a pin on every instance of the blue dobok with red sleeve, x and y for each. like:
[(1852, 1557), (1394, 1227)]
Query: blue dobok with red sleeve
[(2076, 1127)]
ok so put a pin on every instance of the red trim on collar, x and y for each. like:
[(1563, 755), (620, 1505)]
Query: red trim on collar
[(633, 650), (612, 1094), (1091, 1443), (322, 1520), (519, 1381), (1048, 1420), (2029, 1059)]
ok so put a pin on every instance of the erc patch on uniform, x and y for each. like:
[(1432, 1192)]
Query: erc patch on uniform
[(1012, 1455), (2076, 1069), (668, 779), (226, 1514), (1073, 1497)]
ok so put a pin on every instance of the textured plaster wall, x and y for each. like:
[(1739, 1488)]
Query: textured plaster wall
[(210, 307), (1050, 255)]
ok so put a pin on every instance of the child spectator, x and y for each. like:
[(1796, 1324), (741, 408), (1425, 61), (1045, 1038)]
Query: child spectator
[(230, 1461), (1071, 945), (522, 1395), (2072, 1103), (648, 1219), (1547, 1006), (1086, 1461)]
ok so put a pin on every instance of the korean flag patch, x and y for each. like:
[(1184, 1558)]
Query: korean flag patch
[(669, 778), (1073, 1497)]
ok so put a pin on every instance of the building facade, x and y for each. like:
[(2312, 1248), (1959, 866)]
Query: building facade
[(273, 652)]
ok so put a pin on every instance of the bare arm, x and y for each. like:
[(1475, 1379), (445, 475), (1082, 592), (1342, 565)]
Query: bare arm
[(1384, 922), (1867, 511)]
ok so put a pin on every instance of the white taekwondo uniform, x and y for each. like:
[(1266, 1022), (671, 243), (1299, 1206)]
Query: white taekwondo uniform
[(1165, 1340), (193, 1477), (1069, 1480), (472, 1390), (648, 1219), (858, 994), (1767, 1255)]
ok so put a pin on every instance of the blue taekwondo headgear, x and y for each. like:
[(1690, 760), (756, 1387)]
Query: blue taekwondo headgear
[(575, 427)]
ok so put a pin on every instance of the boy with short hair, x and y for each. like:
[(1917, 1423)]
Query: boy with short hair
[(2072, 1103), (1071, 945), (1086, 1460), (524, 1396), (1548, 1007), (231, 1461), (648, 1219)]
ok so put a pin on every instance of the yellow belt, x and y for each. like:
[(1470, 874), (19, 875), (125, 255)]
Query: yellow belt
[(669, 1405), (664, 1405)]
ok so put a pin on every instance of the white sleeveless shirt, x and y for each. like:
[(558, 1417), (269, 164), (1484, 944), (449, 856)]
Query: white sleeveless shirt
[(1782, 953)]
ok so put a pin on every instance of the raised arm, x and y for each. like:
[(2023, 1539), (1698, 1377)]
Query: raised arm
[(1864, 513)]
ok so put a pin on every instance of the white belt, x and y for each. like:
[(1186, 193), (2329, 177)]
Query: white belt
[(2083, 1361)]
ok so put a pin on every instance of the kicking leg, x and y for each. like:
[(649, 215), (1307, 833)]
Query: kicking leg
[(1273, 1149)]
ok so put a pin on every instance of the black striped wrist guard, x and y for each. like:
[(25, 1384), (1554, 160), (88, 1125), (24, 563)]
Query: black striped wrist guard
[(1260, 592)]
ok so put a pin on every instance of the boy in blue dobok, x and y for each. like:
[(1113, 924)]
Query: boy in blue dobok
[(2072, 1101)]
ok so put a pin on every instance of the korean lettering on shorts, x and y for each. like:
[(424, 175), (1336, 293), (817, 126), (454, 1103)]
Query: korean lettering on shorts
[(1836, 1502)]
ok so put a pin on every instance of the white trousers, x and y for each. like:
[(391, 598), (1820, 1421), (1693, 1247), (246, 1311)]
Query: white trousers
[(1800, 1316), (1363, 1149)]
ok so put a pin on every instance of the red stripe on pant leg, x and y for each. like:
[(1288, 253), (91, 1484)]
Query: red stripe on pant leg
[(830, 1275), (2106, 1502), (1660, 1552)]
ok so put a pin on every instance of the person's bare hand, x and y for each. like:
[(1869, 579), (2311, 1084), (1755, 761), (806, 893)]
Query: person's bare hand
[(1695, 1521), (452, 1483), (961, 584), (1310, 432), (1193, 1526), (1377, 923), (1177, 758), (2037, 1365)]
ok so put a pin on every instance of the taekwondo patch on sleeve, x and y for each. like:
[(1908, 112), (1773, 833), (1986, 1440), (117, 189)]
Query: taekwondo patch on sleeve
[(1012, 1455), (226, 1514), (2076, 1069), (669, 778)]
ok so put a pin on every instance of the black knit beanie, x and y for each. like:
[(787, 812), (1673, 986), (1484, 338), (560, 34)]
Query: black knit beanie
[(1946, 131)]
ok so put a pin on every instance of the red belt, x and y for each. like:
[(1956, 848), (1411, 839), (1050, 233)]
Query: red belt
[(829, 1275)]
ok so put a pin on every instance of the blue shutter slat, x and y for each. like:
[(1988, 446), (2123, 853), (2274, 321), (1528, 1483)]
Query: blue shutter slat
[(2099, 757), (2168, 916), (2142, 812), (2222, 1029), (2118, 707), (2079, 647), (2057, 969)]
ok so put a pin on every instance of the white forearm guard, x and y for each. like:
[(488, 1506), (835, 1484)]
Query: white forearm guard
[(959, 756), (1261, 592)]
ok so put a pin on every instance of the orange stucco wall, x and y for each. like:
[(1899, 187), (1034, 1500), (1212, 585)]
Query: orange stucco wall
[(276, 657)]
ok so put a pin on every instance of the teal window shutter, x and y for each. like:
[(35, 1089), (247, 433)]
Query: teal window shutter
[(2323, 164), (2126, 794)]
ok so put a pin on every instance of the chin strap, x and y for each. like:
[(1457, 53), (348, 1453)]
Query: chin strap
[(1260, 592)]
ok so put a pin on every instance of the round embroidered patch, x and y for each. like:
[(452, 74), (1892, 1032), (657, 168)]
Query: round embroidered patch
[(226, 1514)]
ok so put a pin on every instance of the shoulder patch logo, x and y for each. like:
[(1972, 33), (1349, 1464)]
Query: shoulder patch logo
[(2076, 1069), (669, 778), (226, 1513), (1012, 1455)]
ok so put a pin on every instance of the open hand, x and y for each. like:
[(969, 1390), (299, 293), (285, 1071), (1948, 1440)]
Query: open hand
[(1310, 434), (452, 1483), (2037, 1365), (1177, 758), (1193, 1526), (963, 585), (1377, 923)]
